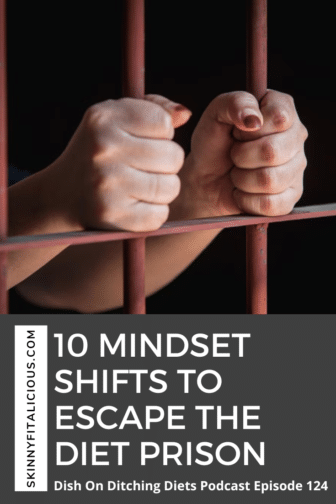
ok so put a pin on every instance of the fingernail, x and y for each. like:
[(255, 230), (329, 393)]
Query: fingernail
[(252, 122), (180, 115), (181, 108)]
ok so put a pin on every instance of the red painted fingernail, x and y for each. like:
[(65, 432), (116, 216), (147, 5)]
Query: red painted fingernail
[(180, 108), (180, 115), (252, 121)]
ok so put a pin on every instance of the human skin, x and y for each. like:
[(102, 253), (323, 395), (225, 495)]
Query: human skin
[(123, 171)]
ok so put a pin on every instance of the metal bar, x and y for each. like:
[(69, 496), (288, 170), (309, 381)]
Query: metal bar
[(256, 80), (171, 227), (134, 276), (3, 158), (256, 266), (256, 68), (134, 87)]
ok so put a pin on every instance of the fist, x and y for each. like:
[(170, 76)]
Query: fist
[(247, 157), (122, 163)]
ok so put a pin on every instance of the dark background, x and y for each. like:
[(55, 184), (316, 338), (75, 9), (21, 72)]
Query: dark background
[(62, 59)]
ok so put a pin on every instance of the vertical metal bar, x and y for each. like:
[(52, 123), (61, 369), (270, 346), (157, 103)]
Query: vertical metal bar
[(3, 156), (256, 269), (256, 80), (134, 87)]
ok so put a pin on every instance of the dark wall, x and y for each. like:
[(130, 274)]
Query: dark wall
[(60, 61)]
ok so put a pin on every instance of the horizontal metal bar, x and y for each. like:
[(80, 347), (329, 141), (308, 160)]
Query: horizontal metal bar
[(172, 227)]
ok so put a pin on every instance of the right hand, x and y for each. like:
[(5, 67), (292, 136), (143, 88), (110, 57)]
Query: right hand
[(120, 167)]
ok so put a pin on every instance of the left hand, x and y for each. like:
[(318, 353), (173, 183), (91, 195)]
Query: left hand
[(246, 157)]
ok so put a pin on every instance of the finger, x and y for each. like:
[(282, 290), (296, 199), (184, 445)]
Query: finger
[(279, 114), (272, 150), (145, 118), (142, 216), (240, 109), (212, 137), (269, 205), (179, 113), (149, 187), (278, 110), (269, 180), (151, 155)]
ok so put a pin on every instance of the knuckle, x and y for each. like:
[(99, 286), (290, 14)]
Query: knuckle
[(289, 98), (178, 156), (268, 152), (154, 187), (148, 218), (173, 156), (157, 217), (136, 226), (100, 130), (283, 97), (305, 161), (238, 96), (281, 119), (161, 118), (149, 114), (237, 99), (304, 132), (164, 188), (165, 120), (175, 186), (268, 206), (267, 180), (299, 193), (95, 116), (125, 102), (125, 106)]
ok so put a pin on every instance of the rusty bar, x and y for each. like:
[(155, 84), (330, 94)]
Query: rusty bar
[(134, 275), (171, 227), (3, 157), (256, 68), (256, 267), (134, 87), (256, 83)]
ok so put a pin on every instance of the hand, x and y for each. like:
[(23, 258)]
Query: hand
[(245, 157), (120, 167)]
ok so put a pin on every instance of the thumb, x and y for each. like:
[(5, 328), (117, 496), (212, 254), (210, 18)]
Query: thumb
[(179, 113), (239, 109)]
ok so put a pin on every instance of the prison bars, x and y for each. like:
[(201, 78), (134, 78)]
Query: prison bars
[(3, 157), (134, 263), (134, 87)]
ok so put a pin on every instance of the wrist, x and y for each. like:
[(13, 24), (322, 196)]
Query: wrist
[(60, 197), (40, 204)]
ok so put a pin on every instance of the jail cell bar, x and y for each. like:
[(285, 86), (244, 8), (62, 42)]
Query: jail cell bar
[(256, 84), (134, 87), (3, 156), (134, 263)]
